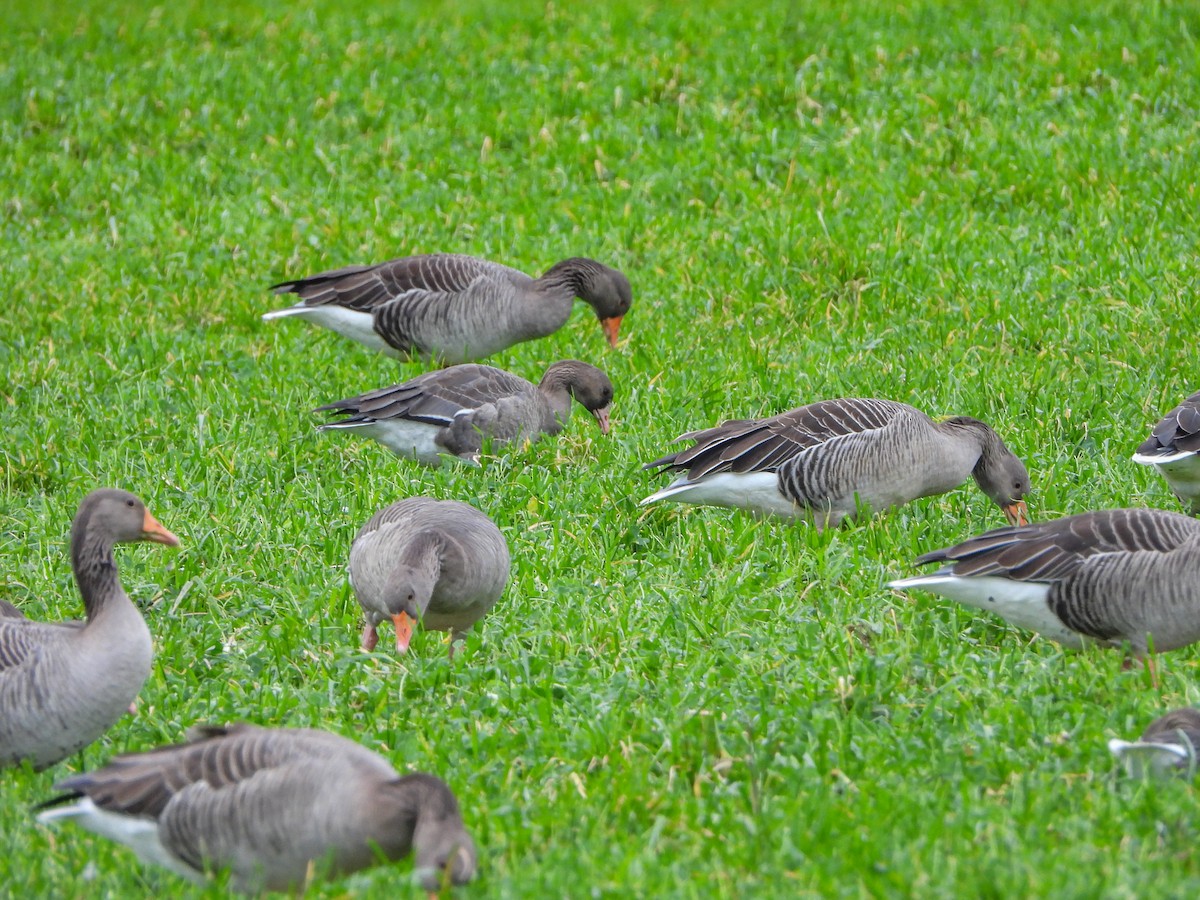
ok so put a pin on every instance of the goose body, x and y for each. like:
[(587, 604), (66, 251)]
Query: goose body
[(271, 805), (1110, 577), (824, 461), (1168, 746), (1174, 449), (440, 562), (453, 411), (63, 684), (452, 308)]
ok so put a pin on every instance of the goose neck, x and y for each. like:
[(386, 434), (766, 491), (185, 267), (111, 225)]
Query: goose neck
[(424, 553), (95, 571), (569, 277)]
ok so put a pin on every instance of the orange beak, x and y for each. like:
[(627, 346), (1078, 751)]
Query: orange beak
[(1017, 513), (404, 630), (611, 327), (153, 531), (602, 418)]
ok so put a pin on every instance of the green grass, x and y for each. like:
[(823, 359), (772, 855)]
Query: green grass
[(985, 210)]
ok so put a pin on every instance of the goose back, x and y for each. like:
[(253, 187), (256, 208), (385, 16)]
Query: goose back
[(460, 550), (453, 308), (62, 685), (271, 806), (1110, 576)]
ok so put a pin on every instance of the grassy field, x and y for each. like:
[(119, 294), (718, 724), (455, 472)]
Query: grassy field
[(986, 210)]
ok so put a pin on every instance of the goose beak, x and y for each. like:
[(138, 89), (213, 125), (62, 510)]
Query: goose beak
[(1017, 513), (602, 418), (611, 327), (153, 531), (404, 630)]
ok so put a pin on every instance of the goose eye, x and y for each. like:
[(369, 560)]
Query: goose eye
[(129, 503)]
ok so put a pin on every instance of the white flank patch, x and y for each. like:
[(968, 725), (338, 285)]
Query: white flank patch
[(403, 437), (1142, 758), (754, 491), (358, 326), (138, 834), (1182, 471), (1023, 603), (1157, 460)]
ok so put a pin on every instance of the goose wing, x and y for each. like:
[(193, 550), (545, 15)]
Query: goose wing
[(435, 397), (1057, 549), (763, 445), (363, 288), (1177, 432)]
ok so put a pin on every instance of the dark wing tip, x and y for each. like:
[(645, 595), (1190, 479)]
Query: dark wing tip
[(60, 799), (933, 556), (667, 460)]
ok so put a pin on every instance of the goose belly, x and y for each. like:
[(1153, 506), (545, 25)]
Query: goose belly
[(350, 323), (1023, 603), (757, 492), (1143, 758), (404, 437), (1182, 472), (137, 833)]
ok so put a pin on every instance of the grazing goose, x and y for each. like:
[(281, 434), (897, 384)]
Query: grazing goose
[(439, 562), (271, 805), (454, 309), (1174, 449), (63, 684), (1110, 576), (452, 411), (824, 460), (1168, 746)]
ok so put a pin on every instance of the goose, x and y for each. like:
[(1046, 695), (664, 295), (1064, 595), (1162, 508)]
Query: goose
[(1168, 745), (271, 805), (1110, 577), (439, 562), (1174, 449), (63, 684), (824, 461), (453, 410), (451, 308)]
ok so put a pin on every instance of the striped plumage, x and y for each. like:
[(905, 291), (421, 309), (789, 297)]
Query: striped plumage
[(1168, 746), (826, 460), (453, 308), (438, 562), (453, 411), (1174, 449), (1111, 576), (63, 684), (274, 806)]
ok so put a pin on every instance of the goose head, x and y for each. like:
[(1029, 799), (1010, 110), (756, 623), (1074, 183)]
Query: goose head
[(406, 598), (591, 388), (1004, 478), (607, 291), (1006, 481), (122, 517), (445, 854)]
